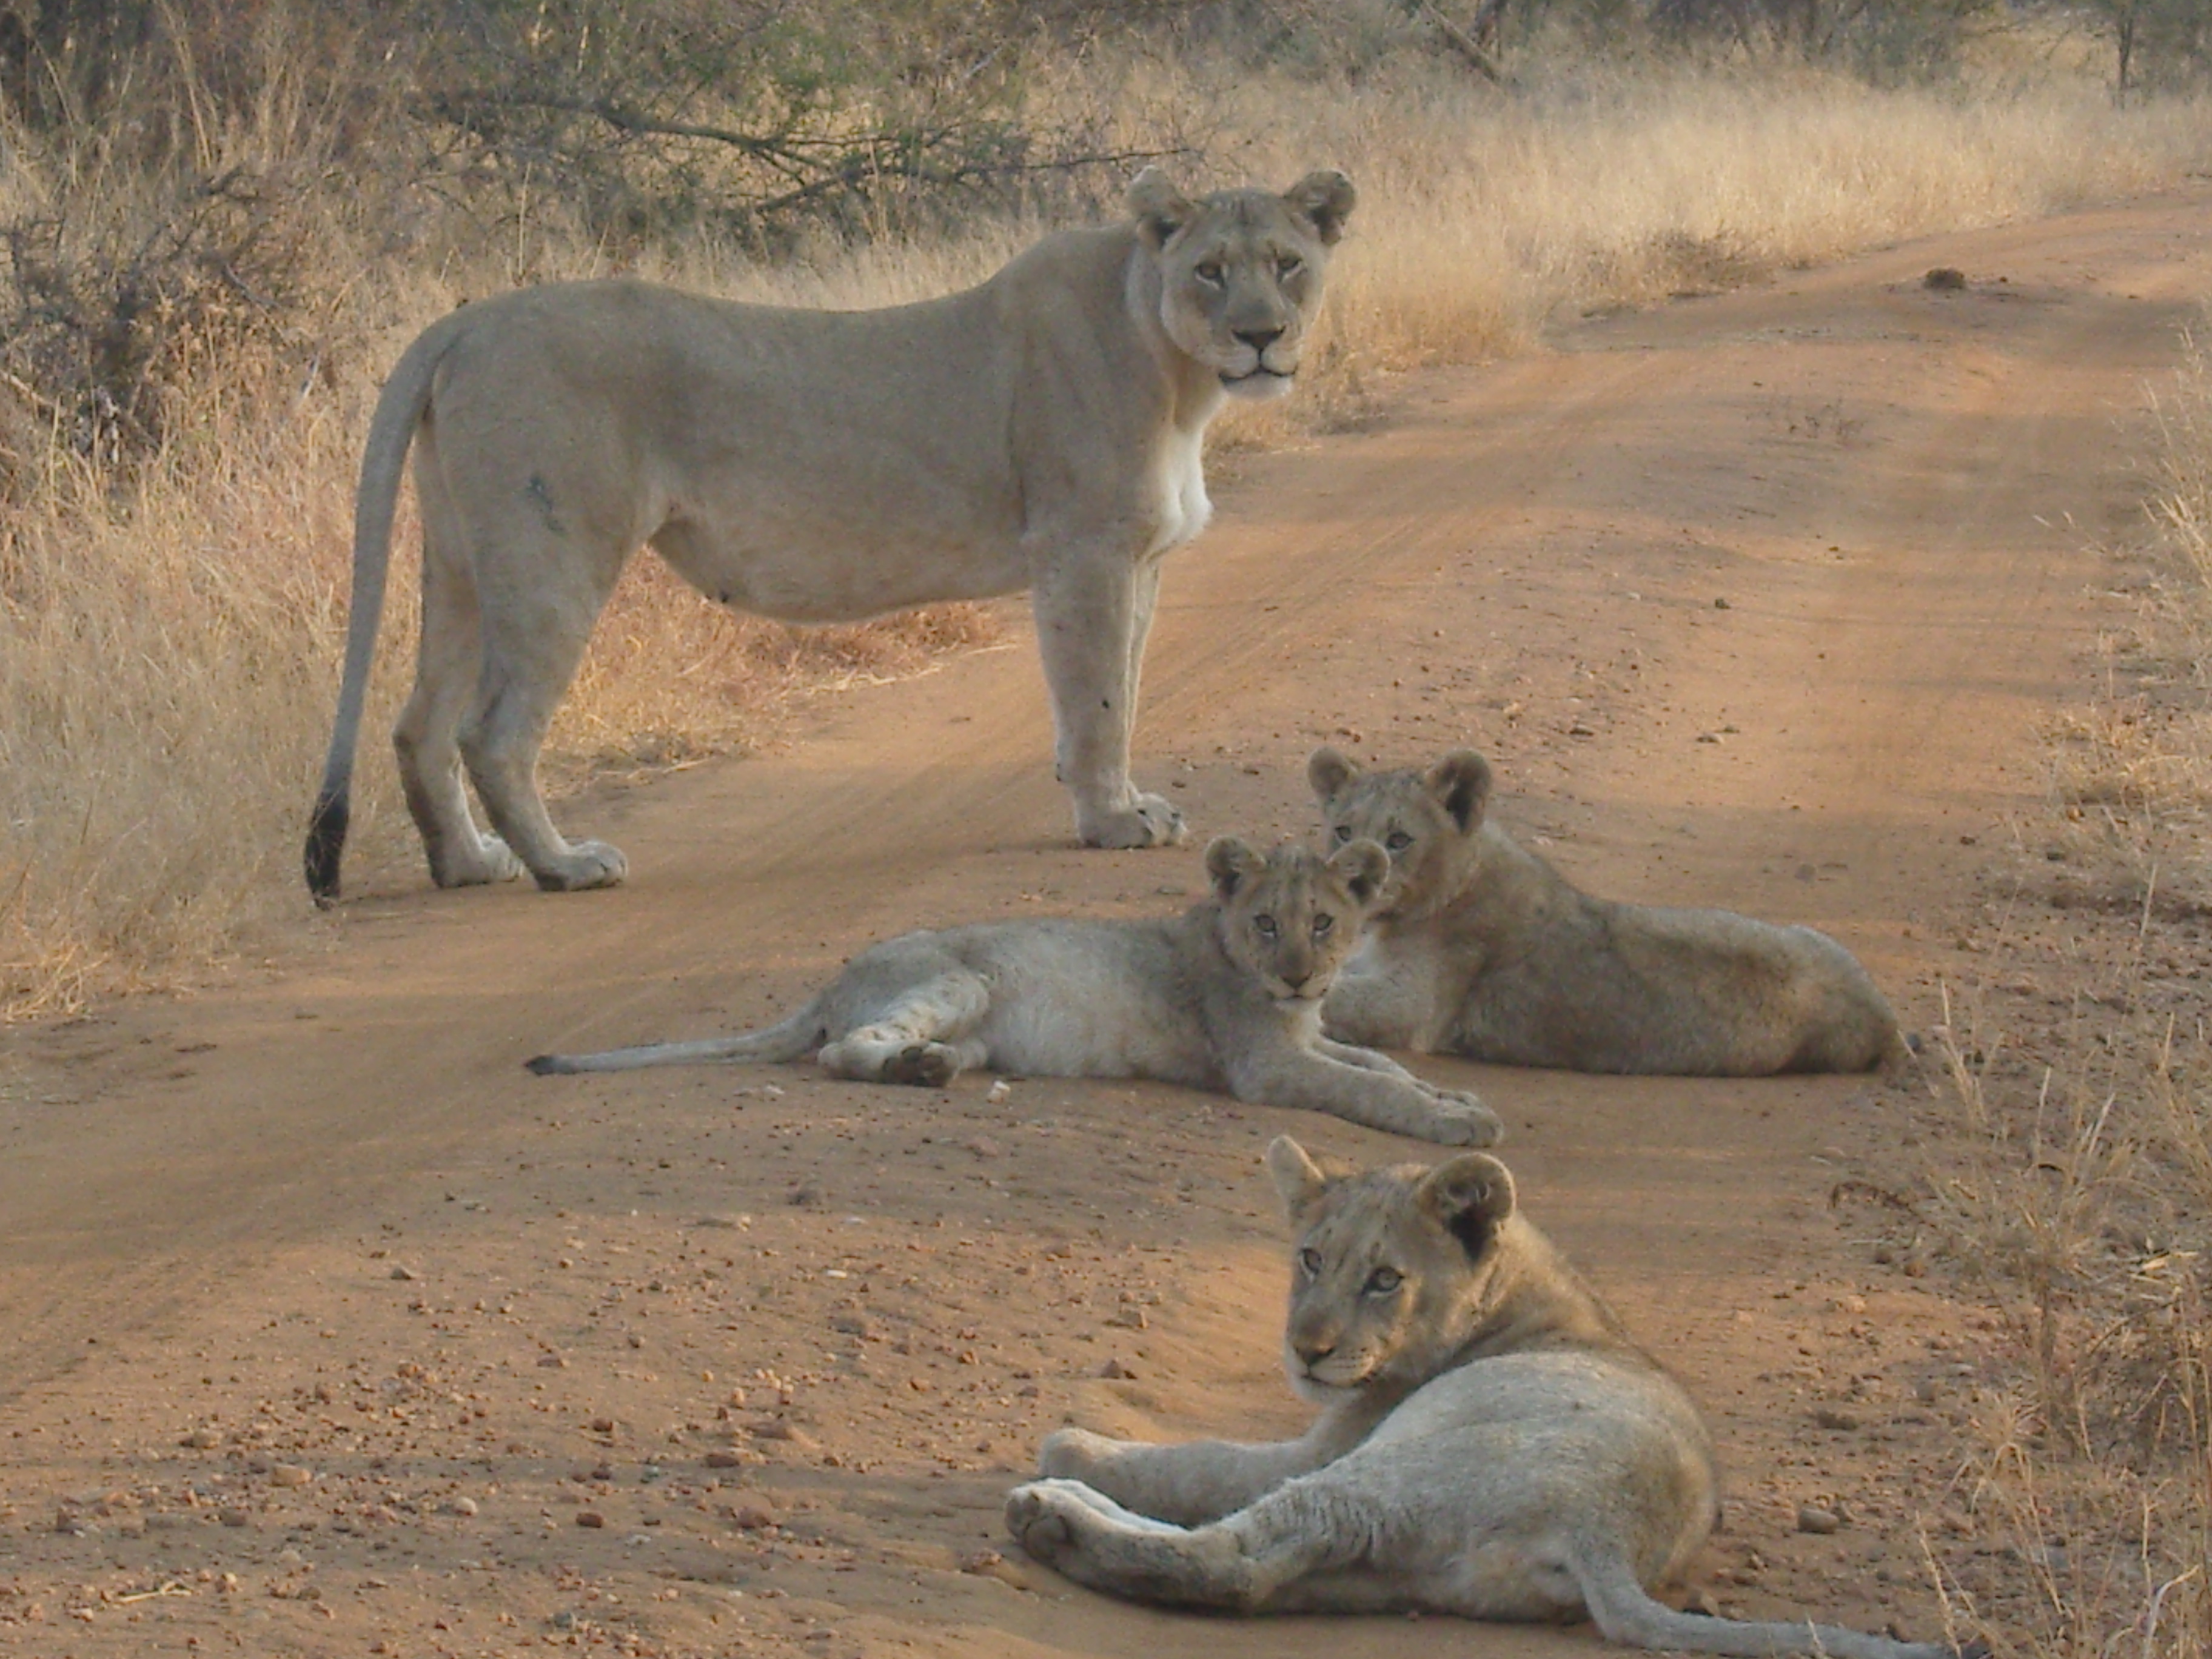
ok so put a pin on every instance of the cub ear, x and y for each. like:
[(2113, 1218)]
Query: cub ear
[(1363, 866), (1471, 1196), (1461, 782), (1298, 1180), (1159, 209), (1230, 861), (1329, 769), (1324, 199)]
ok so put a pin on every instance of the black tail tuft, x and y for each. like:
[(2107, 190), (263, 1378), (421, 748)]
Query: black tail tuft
[(326, 834), (547, 1065)]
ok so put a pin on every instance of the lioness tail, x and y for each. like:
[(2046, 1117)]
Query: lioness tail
[(788, 1039), (384, 457)]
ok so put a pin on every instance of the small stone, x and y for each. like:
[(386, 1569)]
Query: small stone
[(984, 1147), (723, 1460), (1811, 1517), (462, 1506), (1945, 279), (981, 1561), (737, 1396), (289, 1475), (1114, 1370), (235, 1518), (1722, 605), (591, 1518), (1703, 1602), (1829, 1418), (753, 1517), (1130, 1319), (202, 1439), (404, 1274), (601, 1425), (996, 1093)]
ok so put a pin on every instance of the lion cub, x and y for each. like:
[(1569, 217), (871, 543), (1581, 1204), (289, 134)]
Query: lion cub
[(1491, 1443), (1481, 949), (1226, 996)]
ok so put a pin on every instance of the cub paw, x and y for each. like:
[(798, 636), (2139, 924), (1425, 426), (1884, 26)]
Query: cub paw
[(1147, 821), (587, 863), (1461, 1120), (1073, 1452), (1036, 1519), (926, 1065)]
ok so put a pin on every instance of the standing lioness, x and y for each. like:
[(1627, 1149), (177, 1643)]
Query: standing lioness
[(1041, 431), (1489, 1443), (1480, 948)]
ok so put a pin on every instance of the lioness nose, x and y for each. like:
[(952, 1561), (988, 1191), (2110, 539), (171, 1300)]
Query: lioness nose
[(1259, 339), (1312, 1353)]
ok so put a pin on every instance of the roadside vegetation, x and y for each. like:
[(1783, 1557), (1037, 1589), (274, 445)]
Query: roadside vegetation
[(219, 224), (2071, 1145)]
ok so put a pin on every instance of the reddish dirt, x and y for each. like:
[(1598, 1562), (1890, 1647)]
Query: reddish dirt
[(324, 1329)]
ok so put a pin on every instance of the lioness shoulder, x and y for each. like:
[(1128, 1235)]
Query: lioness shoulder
[(1480, 948)]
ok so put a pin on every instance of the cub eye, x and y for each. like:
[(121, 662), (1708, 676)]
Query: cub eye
[(1209, 272), (1289, 264), (1343, 833), (1383, 1281), (1264, 926), (1322, 924), (1399, 840), (1310, 1263)]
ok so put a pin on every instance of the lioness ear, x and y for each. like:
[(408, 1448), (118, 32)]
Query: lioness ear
[(1298, 1180), (1324, 199), (1461, 781), (1328, 770), (1363, 864), (1471, 1196), (1159, 207), (1229, 861)]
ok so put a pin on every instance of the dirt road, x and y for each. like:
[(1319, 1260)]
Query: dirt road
[(323, 1328)]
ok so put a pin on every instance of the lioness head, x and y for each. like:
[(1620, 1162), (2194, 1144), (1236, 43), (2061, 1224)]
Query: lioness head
[(1391, 1269), (1430, 822), (1291, 917), (1241, 272)]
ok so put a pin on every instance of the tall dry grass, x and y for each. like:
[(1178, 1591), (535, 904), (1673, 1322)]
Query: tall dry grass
[(169, 632), (2081, 1190)]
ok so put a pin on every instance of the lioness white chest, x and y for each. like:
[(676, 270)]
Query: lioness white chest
[(1180, 504)]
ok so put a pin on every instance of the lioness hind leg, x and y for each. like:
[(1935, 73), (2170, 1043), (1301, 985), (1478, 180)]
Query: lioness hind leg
[(923, 1037), (425, 739), (537, 607)]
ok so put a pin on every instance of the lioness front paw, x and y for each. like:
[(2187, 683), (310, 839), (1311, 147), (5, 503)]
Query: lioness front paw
[(929, 1065), (587, 863), (487, 862), (1147, 821), (1461, 1120)]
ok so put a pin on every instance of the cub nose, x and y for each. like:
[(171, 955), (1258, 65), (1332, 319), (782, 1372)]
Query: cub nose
[(1259, 339)]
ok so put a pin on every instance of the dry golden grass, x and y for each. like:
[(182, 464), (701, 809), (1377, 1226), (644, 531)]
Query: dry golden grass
[(169, 637), (2080, 1192)]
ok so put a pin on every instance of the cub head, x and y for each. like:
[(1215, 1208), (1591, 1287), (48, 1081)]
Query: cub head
[(1291, 917), (1430, 822), (1391, 1270), (1241, 272)]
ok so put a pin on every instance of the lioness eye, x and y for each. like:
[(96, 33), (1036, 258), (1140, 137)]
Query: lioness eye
[(1383, 1281), (1208, 272), (1399, 840), (1289, 266), (1264, 925), (1343, 833), (1322, 924), (1309, 1263)]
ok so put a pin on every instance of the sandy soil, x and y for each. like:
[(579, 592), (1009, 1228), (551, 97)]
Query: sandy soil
[(324, 1329)]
